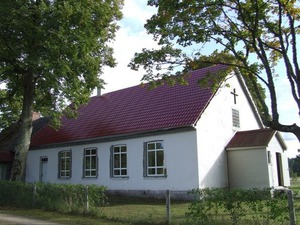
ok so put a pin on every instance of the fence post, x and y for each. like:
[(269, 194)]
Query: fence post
[(290, 197), (168, 206), (34, 195), (87, 198)]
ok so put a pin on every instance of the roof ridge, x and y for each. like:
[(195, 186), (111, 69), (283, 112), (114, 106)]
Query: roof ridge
[(148, 83)]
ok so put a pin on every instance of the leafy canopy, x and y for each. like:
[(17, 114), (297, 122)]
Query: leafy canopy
[(253, 36), (63, 45)]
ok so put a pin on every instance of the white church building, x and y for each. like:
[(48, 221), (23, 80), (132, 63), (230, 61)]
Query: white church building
[(176, 138)]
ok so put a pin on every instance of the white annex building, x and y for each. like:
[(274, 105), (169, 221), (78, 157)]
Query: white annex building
[(174, 138)]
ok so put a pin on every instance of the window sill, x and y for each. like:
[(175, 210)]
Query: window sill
[(120, 178), (155, 177), (88, 178)]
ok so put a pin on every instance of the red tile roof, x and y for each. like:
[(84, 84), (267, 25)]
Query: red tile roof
[(251, 138), (134, 110)]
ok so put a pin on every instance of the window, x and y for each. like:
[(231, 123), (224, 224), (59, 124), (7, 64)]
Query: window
[(154, 159), (235, 118), (64, 164), (90, 164), (119, 160)]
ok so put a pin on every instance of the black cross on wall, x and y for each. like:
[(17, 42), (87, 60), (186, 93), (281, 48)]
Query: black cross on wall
[(234, 95)]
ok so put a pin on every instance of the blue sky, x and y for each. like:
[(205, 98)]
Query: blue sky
[(132, 37)]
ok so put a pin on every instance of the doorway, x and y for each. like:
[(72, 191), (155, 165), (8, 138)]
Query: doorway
[(43, 169), (279, 169)]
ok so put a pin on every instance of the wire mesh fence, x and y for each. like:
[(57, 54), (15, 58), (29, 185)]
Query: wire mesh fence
[(209, 206)]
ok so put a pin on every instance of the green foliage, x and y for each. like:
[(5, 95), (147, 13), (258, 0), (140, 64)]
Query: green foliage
[(52, 53), (294, 165), (16, 194), (55, 197), (60, 47), (9, 109), (68, 197), (238, 206), (252, 36)]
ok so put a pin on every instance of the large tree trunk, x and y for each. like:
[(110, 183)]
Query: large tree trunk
[(275, 125), (24, 132)]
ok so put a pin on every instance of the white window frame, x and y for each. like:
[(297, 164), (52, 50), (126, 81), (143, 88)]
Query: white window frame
[(64, 167), (88, 161), (120, 152), (159, 170)]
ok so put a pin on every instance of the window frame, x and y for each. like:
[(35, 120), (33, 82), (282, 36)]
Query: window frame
[(63, 171), (120, 168), (93, 160), (155, 167)]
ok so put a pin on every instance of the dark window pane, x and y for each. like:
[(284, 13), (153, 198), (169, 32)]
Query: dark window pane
[(93, 162), (116, 149), (117, 161), (151, 159), (123, 149), (159, 145), (160, 158), (160, 171), (151, 171), (88, 163), (151, 146), (124, 161)]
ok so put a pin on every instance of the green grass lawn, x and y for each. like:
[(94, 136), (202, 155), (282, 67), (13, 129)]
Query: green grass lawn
[(121, 211)]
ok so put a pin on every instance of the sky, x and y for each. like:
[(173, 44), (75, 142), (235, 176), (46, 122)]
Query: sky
[(132, 37)]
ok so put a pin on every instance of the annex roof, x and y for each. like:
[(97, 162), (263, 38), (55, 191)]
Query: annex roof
[(134, 110), (253, 138)]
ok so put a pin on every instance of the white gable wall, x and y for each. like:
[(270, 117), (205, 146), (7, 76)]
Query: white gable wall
[(180, 161), (214, 130)]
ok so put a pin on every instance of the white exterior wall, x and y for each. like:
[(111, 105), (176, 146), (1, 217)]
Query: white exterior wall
[(180, 161), (248, 168), (214, 130)]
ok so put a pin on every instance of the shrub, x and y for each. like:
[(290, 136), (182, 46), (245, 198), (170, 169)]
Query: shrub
[(69, 197), (56, 197), (15, 193), (237, 206)]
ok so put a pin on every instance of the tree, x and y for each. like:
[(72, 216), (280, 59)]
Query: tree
[(51, 53), (253, 36), (294, 166)]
